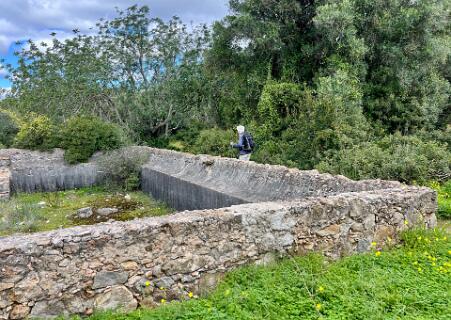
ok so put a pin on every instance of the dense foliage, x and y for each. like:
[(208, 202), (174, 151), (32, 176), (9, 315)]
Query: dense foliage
[(82, 136), (9, 128), (356, 87)]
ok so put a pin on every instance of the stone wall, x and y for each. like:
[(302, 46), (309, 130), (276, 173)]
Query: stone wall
[(141, 262), (277, 212)]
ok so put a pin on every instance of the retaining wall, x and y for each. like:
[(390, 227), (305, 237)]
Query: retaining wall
[(34, 171), (80, 269), (141, 262)]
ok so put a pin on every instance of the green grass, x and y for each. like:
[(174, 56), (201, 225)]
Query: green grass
[(24, 213), (443, 198), (411, 281)]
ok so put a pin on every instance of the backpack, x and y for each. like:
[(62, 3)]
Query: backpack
[(249, 143)]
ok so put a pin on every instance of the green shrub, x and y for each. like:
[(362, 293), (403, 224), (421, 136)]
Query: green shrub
[(215, 142), (9, 127), (121, 168), (39, 133), (405, 158), (81, 137)]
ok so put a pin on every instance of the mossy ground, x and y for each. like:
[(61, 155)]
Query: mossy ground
[(52, 210)]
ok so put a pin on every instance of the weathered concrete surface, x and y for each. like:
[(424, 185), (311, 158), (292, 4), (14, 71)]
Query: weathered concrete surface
[(5, 178), (34, 171), (190, 182), (79, 269)]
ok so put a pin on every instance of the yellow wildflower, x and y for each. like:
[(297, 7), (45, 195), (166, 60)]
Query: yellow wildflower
[(419, 238), (147, 283), (406, 222), (190, 294), (163, 301), (318, 306), (378, 253), (320, 289), (161, 288), (449, 251), (373, 244)]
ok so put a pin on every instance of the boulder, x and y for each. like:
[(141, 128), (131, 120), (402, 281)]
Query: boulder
[(118, 297), (84, 213), (105, 212)]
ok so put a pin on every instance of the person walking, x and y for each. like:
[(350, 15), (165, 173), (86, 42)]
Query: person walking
[(245, 143)]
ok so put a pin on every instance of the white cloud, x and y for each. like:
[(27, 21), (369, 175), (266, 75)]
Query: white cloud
[(25, 19), (3, 72)]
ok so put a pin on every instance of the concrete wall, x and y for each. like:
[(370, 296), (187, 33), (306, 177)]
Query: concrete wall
[(184, 195), (250, 181), (33, 171), (81, 269), (5, 178)]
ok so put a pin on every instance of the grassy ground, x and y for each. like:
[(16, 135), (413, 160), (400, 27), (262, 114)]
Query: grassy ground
[(411, 281), (47, 211), (443, 198)]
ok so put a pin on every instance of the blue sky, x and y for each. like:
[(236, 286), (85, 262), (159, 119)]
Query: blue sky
[(36, 19)]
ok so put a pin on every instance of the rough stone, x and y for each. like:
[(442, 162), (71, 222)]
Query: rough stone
[(109, 278), (118, 297), (84, 213), (332, 230), (105, 212), (129, 265), (48, 309), (19, 311)]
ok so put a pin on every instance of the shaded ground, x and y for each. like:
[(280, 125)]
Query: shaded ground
[(52, 210)]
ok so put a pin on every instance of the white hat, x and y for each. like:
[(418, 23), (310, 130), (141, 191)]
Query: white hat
[(240, 129)]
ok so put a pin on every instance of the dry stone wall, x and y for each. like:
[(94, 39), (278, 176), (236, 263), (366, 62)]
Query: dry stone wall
[(140, 262)]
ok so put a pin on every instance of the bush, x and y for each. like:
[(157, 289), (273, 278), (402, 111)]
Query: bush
[(215, 142), (121, 168), (81, 137), (39, 133), (405, 158), (9, 127)]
